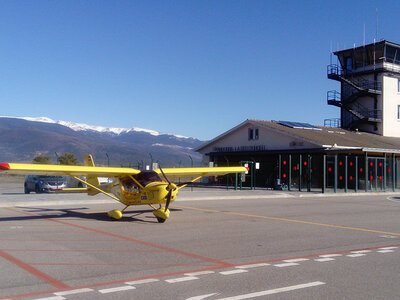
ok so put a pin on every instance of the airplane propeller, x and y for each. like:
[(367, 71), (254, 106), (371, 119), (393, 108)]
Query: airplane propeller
[(171, 186)]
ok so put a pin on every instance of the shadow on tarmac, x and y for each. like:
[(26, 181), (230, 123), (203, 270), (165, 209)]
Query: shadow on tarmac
[(128, 216)]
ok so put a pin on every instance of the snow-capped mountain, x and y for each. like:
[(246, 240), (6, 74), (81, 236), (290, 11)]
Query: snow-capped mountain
[(23, 138), (86, 127)]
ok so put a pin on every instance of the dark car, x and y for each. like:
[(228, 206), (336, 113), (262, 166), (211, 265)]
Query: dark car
[(43, 184)]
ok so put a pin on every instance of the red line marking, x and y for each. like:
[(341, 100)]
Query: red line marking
[(315, 255), (33, 271), (71, 250), (190, 271), (129, 239), (120, 264)]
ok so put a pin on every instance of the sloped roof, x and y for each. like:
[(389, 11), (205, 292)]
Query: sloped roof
[(325, 137), (329, 136)]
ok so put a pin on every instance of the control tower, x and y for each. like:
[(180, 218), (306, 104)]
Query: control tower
[(369, 97)]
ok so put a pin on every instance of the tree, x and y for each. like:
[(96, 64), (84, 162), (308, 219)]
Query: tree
[(68, 159), (41, 159)]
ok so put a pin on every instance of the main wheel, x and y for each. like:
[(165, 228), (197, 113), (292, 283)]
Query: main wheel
[(26, 190), (115, 214)]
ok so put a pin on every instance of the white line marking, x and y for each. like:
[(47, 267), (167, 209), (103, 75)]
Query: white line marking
[(361, 251), (201, 297), (199, 273), (356, 255), (117, 289), (181, 279), (233, 272), (252, 266), (330, 255), (71, 292), (385, 251), (388, 236), (388, 248), (324, 259), (275, 291), (296, 260), (286, 265), (142, 281)]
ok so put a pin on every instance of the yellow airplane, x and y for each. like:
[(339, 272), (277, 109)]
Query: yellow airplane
[(129, 186)]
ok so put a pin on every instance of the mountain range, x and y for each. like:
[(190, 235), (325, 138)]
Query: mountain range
[(22, 139)]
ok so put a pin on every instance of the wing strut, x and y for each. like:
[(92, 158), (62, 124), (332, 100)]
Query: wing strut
[(96, 188), (186, 183)]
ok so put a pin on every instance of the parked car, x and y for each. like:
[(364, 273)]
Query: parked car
[(41, 184)]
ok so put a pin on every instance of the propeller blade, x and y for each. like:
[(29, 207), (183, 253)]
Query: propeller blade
[(168, 200), (162, 172)]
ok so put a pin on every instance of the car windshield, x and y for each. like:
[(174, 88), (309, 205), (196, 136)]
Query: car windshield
[(52, 178)]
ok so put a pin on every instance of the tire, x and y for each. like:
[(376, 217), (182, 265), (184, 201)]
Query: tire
[(26, 190), (37, 190)]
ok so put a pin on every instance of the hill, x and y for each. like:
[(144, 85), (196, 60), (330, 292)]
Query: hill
[(24, 138)]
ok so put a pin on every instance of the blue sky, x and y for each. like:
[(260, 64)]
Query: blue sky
[(194, 68)]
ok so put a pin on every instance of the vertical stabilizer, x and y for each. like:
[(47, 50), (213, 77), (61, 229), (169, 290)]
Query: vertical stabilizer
[(88, 161)]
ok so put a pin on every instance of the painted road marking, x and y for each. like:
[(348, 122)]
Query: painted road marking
[(142, 281), (275, 291), (388, 248), (361, 251), (290, 220), (233, 272), (117, 289), (252, 266), (385, 251), (286, 265), (388, 236), (72, 292), (181, 279), (330, 255), (356, 255), (324, 259), (199, 273), (201, 297), (296, 260), (52, 298)]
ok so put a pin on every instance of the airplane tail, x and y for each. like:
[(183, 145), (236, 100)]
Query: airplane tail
[(93, 180)]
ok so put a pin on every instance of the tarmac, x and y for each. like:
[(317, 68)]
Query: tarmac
[(12, 194)]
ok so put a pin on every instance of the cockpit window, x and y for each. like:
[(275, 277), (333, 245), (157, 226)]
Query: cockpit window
[(145, 177)]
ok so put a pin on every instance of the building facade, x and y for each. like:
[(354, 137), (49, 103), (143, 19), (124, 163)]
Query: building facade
[(359, 152)]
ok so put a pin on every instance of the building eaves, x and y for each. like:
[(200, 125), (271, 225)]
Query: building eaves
[(206, 144)]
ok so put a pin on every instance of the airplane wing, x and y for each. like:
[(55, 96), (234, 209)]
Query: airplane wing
[(198, 172), (38, 169)]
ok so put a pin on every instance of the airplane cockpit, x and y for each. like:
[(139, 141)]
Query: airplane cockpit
[(144, 178)]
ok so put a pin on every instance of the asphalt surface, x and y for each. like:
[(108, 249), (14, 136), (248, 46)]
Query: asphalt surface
[(217, 244)]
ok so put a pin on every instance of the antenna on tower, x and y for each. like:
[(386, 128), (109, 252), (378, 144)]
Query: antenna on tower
[(376, 28), (364, 36)]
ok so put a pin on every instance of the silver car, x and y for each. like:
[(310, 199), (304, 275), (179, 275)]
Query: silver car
[(44, 184)]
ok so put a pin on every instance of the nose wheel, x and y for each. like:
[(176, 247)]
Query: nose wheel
[(161, 214)]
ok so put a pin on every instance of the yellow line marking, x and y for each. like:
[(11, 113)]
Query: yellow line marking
[(289, 220)]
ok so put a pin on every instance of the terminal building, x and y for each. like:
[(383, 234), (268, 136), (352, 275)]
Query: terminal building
[(358, 152)]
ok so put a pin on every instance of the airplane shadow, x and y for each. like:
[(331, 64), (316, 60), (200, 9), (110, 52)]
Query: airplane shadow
[(50, 213)]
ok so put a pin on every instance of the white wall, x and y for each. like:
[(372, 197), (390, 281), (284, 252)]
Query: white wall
[(267, 137), (391, 99)]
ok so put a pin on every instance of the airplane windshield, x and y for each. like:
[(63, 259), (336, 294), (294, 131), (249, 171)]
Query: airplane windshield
[(145, 177)]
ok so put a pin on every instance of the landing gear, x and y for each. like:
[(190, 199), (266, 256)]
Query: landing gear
[(161, 214), (115, 214)]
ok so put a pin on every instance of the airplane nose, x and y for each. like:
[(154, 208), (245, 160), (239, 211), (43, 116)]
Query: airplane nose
[(171, 186)]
